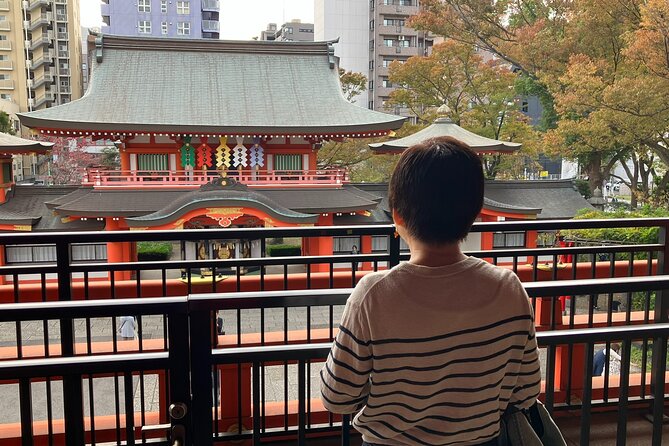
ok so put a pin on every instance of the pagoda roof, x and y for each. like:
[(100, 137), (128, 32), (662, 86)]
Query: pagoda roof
[(14, 144), (214, 88), (446, 127)]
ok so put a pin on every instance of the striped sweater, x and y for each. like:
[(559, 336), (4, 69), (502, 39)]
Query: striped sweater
[(433, 356)]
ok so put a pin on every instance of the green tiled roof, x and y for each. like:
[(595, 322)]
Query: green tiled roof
[(213, 87)]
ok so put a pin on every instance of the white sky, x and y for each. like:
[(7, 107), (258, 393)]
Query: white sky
[(240, 19)]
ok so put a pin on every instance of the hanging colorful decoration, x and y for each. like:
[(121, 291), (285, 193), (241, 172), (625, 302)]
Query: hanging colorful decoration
[(204, 154), (239, 153), (223, 154), (187, 153), (256, 154)]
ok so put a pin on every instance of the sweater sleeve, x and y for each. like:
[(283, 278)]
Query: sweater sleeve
[(345, 376), (528, 384)]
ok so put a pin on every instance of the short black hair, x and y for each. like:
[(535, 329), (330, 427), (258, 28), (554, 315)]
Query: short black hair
[(437, 189)]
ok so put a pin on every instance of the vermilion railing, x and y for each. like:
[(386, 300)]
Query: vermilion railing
[(186, 178)]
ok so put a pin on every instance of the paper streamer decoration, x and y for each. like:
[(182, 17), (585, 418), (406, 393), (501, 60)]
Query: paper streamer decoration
[(223, 154), (187, 153), (239, 153), (256, 154), (204, 154)]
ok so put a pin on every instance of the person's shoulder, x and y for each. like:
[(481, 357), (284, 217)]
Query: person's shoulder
[(366, 285)]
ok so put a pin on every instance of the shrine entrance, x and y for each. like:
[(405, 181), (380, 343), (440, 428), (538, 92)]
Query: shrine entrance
[(222, 248)]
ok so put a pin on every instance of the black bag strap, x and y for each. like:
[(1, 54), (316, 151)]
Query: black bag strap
[(535, 420)]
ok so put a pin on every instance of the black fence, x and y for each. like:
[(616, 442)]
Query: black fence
[(242, 363)]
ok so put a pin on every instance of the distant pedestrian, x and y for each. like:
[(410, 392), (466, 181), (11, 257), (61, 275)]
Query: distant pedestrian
[(600, 361), (220, 328), (127, 328), (354, 251)]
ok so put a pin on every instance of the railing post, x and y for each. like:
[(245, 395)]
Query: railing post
[(661, 315), (201, 379), (179, 373), (73, 400), (394, 247)]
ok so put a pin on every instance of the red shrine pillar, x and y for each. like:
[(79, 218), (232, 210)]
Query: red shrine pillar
[(321, 246), (2, 263), (366, 248), (117, 252)]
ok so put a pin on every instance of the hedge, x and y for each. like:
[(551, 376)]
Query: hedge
[(149, 251), (283, 250)]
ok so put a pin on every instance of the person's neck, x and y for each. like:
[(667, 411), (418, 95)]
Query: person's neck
[(435, 255)]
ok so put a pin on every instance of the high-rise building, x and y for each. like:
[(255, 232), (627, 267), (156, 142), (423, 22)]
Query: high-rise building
[(191, 19), (40, 53), (294, 30), (372, 35)]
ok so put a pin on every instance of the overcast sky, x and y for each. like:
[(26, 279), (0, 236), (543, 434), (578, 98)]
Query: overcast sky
[(240, 19)]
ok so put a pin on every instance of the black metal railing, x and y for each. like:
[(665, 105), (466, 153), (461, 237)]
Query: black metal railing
[(290, 300)]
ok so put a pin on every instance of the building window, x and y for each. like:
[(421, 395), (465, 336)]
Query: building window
[(288, 162), (163, 6), (371, 5), (370, 105), (393, 22), (371, 85), (387, 62), (344, 245), (144, 27), (403, 43), (163, 28), (371, 44), (508, 240), (371, 25), (183, 7), (144, 5), (379, 243), (6, 97), (183, 28), (152, 162), (388, 42), (525, 107), (387, 83)]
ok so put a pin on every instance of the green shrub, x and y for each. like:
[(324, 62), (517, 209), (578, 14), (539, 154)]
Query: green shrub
[(149, 251), (583, 188), (283, 250)]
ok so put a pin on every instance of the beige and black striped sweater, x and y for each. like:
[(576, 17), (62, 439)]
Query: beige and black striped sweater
[(433, 356)]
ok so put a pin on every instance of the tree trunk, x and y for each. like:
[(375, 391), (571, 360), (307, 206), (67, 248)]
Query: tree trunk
[(594, 170)]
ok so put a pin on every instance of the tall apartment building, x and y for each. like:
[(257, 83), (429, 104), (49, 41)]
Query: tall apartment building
[(192, 19), (293, 31), (372, 35), (40, 52)]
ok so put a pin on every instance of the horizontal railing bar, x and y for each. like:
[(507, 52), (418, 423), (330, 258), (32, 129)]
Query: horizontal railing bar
[(278, 432), (317, 231), (297, 352), (78, 365), (567, 250), (228, 263), (292, 352), (268, 299), (46, 268), (583, 335), (596, 286), (92, 308), (338, 296)]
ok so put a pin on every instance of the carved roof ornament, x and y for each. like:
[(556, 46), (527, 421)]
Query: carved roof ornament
[(223, 183)]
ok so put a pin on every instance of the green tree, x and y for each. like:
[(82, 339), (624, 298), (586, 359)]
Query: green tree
[(352, 83), (6, 123), (478, 94)]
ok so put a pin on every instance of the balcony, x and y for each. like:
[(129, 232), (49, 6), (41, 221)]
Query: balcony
[(65, 89), (258, 380), (396, 9), (5, 25), (40, 20), (406, 51), (4, 5), (210, 26), (46, 78), (5, 45), (186, 179), (45, 39), (46, 58), (6, 65), (6, 84), (211, 5), (62, 36), (37, 3), (42, 99), (61, 17)]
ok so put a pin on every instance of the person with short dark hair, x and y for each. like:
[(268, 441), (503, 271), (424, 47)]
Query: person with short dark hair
[(604, 360), (432, 351)]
